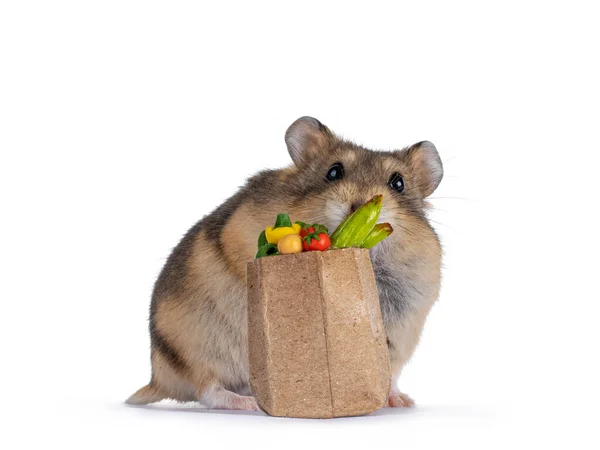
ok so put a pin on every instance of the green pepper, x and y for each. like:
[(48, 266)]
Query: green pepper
[(377, 234), (262, 239), (356, 227), (267, 250)]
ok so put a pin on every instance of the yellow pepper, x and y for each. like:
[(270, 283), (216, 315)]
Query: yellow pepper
[(274, 235)]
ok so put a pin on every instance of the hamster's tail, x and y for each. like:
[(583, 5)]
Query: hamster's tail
[(145, 395)]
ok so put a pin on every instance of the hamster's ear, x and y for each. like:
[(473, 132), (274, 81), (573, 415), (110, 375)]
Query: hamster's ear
[(306, 138), (426, 167)]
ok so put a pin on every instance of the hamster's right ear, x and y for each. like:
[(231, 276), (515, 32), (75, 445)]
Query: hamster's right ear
[(306, 138)]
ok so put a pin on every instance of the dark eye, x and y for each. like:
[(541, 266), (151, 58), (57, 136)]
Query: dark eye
[(396, 182), (335, 172)]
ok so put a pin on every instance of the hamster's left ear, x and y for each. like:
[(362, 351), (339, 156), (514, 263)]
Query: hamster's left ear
[(426, 167), (306, 138)]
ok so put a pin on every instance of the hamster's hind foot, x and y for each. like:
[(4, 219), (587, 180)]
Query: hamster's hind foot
[(399, 400), (217, 397)]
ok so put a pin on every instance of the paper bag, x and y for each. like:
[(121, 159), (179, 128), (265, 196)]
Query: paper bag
[(317, 345)]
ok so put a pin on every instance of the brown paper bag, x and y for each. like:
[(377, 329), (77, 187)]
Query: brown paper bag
[(317, 346)]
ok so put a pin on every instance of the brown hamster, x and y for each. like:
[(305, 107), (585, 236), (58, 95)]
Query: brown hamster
[(198, 319)]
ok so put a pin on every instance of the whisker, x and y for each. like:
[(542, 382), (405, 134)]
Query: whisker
[(449, 159), (453, 198), (411, 233)]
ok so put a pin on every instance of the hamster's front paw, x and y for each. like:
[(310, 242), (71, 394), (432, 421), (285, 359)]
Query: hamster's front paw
[(246, 403), (217, 397), (399, 400)]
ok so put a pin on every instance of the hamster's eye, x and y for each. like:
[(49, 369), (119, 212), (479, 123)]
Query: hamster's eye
[(335, 172), (396, 182)]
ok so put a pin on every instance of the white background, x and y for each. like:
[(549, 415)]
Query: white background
[(122, 123)]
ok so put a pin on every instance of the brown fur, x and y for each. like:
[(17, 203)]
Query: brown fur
[(198, 319)]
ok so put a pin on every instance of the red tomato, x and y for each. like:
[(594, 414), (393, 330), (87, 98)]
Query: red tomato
[(314, 242), (305, 231)]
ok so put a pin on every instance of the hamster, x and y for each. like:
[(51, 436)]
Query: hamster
[(198, 317)]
